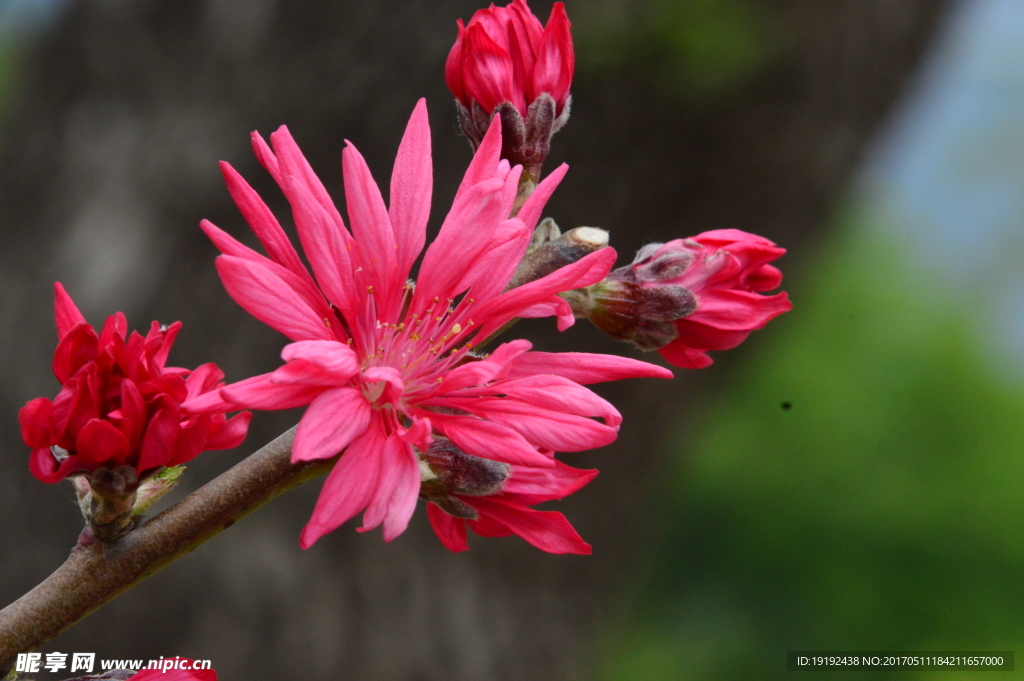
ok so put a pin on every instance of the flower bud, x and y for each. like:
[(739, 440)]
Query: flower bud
[(688, 296), (503, 62), (447, 471)]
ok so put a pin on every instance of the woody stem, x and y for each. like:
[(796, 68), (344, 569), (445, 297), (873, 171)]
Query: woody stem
[(98, 571)]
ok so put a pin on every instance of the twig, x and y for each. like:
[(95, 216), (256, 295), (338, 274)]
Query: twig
[(97, 571)]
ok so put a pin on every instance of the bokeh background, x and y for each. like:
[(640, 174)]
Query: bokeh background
[(850, 478)]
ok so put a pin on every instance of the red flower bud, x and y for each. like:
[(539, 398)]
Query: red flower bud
[(689, 296), (505, 63)]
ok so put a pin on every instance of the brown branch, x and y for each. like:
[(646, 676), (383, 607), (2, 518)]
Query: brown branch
[(96, 571)]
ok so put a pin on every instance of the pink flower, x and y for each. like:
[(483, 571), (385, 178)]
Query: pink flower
[(177, 669), (494, 499), (504, 63), (119, 405), (504, 55), (384, 364), (689, 296)]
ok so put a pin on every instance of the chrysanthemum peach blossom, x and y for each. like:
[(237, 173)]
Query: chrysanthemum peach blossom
[(382, 363)]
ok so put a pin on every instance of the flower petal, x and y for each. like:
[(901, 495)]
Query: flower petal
[(547, 530), (333, 420), (451, 531)]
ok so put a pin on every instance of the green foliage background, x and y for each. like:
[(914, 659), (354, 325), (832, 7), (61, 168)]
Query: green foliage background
[(883, 510)]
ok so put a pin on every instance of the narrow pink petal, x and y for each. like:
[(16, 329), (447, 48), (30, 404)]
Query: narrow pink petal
[(260, 392), (411, 188), (544, 428), (547, 530), (584, 367), (133, 410), (324, 238), (732, 310), (371, 227), (548, 392), (212, 402), (545, 484), (64, 309), (265, 156), (166, 342), (489, 440), (392, 455), (403, 500), (451, 531), (302, 285), (334, 418), (266, 297), (349, 486), (231, 434), (584, 272), (263, 223), (485, 160), (489, 273)]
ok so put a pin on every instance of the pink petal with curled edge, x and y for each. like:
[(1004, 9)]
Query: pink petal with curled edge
[(371, 227), (231, 434), (411, 189), (349, 487), (65, 311), (333, 420), (266, 297), (419, 435), (451, 531), (260, 392), (488, 440), (333, 358), (584, 367), (394, 386), (78, 346), (100, 443), (547, 530)]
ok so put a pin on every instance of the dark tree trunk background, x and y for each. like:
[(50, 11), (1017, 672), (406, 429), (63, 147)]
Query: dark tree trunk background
[(108, 162)]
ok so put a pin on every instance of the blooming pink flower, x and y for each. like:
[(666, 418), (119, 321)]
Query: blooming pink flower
[(504, 55), (119, 405), (384, 364), (689, 296)]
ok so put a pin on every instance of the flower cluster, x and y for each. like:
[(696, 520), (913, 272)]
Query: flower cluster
[(119, 404)]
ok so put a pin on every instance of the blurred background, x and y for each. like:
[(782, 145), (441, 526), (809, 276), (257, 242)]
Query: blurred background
[(850, 478)]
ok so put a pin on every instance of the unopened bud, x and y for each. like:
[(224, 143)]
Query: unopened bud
[(551, 251), (631, 312), (449, 471)]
